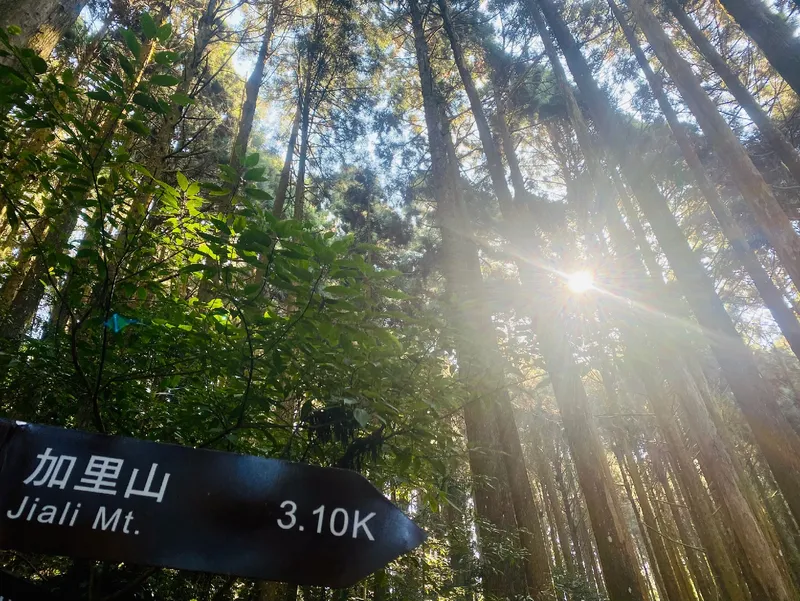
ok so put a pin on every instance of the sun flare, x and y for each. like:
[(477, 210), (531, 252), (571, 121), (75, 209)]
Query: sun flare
[(580, 281)]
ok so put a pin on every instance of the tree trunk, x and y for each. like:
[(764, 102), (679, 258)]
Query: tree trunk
[(286, 171), (545, 474), (773, 298), (782, 530), (645, 535), (28, 246), (672, 587), (773, 35), (697, 498), (755, 397), (475, 347), (614, 543), (719, 468), (673, 545), (300, 184), (784, 149), (43, 22), (697, 562), (756, 192), (29, 295), (251, 90), (615, 547)]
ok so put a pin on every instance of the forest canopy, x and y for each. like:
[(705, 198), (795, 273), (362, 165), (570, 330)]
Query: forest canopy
[(532, 267)]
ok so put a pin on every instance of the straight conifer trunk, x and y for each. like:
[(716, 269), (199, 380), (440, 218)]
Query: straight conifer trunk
[(300, 184), (755, 396), (286, 171), (756, 192), (773, 298), (537, 567), (614, 541), (784, 149), (626, 248), (772, 34), (475, 347), (696, 559), (251, 90)]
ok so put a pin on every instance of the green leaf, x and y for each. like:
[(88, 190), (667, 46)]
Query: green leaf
[(149, 27), (164, 32), (341, 290), (183, 183), (132, 42), (228, 173), (39, 64), (147, 101), (182, 99), (137, 127), (398, 294), (126, 65), (193, 268), (166, 57), (251, 160), (100, 95), (39, 123), (254, 174), (164, 80), (14, 30), (258, 194), (361, 416)]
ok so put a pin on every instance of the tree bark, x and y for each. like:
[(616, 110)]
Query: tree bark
[(654, 575), (537, 567), (772, 34), (783, 148), (729, 578), (697, 562), (42, 22), (545, 474), (286, 171), (756, 192), (614, 542), (300, 184), (773, 298), (475, 348), (755, 397), (652, 531), (251, 90)]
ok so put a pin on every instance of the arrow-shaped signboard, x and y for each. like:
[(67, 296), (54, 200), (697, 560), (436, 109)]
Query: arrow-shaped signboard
[(66, 492)]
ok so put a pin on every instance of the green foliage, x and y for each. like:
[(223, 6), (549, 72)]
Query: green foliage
[(243, 332)]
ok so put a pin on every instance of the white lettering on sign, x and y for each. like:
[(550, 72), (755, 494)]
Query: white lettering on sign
[(57, 470), (46, 515), (336, 512), (357, 524), (337, 524), (100, 476), (147, 490), (289, 514), (106, 523)]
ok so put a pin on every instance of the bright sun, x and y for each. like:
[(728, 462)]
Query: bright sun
[(580, 281)]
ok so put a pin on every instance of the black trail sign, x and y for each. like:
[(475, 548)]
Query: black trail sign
[(66, 492)]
